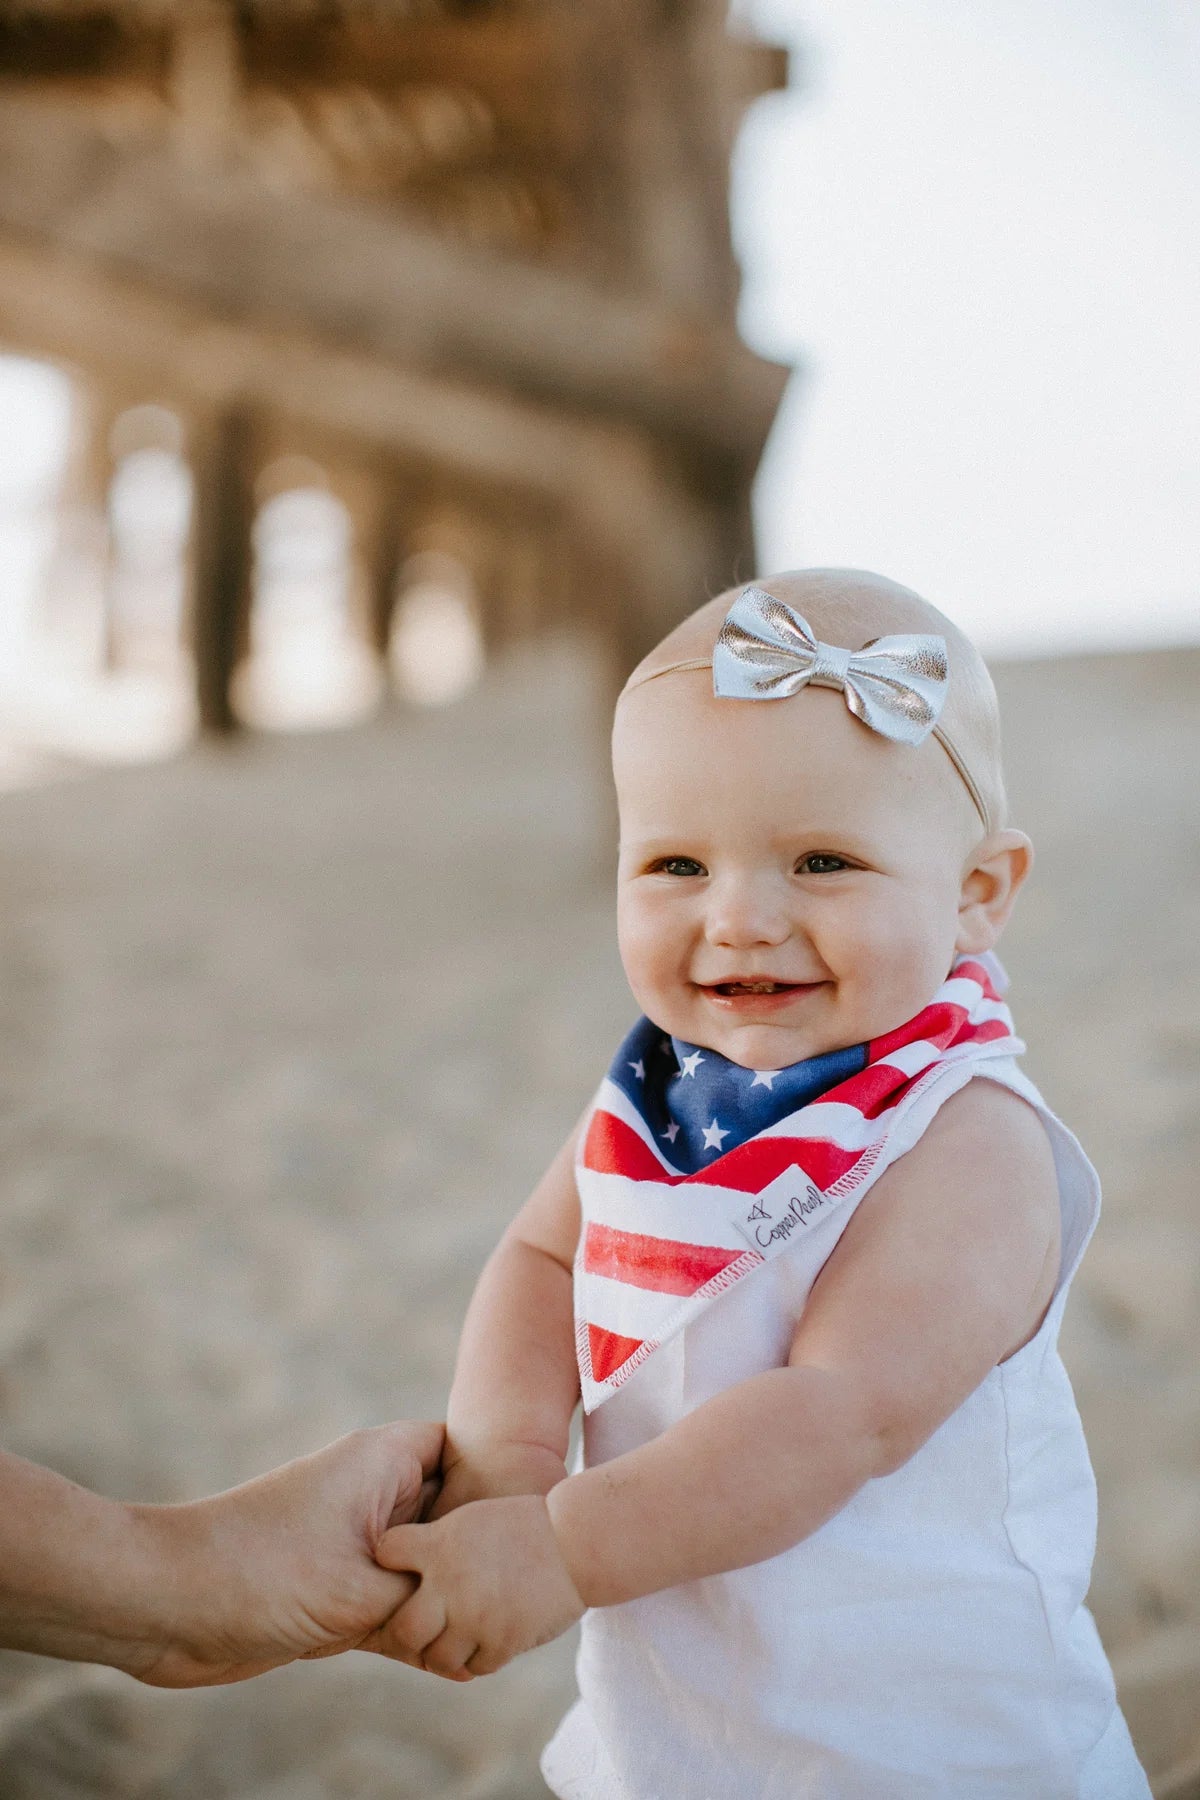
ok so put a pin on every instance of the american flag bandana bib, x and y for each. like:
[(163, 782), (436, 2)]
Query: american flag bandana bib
[(671, 1219)]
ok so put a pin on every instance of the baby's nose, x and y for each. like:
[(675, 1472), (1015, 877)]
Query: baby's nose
[(746, 912)]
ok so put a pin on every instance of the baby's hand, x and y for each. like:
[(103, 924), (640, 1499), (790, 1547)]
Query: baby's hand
[(493, 1472), (493, 1583)]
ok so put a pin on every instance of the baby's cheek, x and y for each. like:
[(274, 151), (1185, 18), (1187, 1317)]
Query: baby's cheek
[(654, 959), (895, 956), (918, 946), (640, 947), (644, 925)]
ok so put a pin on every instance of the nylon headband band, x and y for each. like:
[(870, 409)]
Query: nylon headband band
[(947, 743)]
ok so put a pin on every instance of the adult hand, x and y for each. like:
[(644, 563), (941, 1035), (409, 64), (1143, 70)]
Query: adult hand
[(284, 1566), (218, 1589)]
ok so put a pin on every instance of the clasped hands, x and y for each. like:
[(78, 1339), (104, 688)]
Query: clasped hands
[(492, 1578), (316, 1557)]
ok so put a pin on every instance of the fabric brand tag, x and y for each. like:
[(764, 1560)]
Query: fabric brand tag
[(791, 1204)]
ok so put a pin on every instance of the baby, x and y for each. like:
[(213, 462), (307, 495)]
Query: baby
[(806, 1257)]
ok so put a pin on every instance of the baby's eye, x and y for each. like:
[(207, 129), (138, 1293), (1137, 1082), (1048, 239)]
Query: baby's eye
[(678, 865), (821, 862)]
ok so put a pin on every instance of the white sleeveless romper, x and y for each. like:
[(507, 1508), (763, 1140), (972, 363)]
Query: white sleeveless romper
[(929, 1642)]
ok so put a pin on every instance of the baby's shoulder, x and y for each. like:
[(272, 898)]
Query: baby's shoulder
[(991, 1121), (947, 1266), (968, 1219), (986, 1149)]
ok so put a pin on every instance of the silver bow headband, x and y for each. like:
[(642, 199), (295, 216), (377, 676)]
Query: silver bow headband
[(896, 685), (766, 651)]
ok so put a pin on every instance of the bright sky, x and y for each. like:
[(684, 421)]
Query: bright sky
[(977, 228), (975, 225)]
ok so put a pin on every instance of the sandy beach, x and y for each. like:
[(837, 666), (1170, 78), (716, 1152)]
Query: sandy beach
[(291, 1027)]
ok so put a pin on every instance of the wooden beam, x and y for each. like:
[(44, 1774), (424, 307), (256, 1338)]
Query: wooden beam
[(357, 275), (71, 46), (624, 492)]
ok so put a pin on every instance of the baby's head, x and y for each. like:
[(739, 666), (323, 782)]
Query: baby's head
[(790, 880)]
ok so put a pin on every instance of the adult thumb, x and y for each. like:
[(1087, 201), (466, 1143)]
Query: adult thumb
[(402, 1549)]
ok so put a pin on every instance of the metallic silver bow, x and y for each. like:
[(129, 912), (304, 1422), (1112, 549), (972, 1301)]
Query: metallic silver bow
[(766, 651)]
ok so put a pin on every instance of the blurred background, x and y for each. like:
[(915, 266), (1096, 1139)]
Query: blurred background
[(378, 379)]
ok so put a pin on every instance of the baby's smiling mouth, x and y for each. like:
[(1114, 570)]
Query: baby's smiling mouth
[(753, 987), (749, 985)]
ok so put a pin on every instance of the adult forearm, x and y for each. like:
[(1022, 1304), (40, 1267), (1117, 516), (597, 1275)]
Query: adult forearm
[(516, 1382), (85, 1577), (216, 1589), (742, 1478)]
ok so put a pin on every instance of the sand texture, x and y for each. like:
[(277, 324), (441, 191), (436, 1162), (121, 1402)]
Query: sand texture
[(291, 1027)]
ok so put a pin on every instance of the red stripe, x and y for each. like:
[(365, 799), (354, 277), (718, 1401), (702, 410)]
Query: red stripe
[(937, 1024), (752, 1165), (987, 1032), (614, 1148), (942, 1023), (660, 1264), (609, 1350), (879, 1088), (973, 971)]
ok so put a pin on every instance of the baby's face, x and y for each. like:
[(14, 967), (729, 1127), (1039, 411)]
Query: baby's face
[(789, 882)]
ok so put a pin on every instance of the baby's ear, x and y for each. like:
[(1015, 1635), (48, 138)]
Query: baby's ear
[(991, 880)]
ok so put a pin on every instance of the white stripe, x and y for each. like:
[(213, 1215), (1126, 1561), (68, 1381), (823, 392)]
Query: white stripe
[(690, 1215), (828, 1121), (991, 1009), (960, 990), (910, 1059), (619, 1306), (971, 997)]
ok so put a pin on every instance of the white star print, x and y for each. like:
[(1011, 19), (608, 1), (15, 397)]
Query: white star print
[(764, 1078), (639, 1069), (713, 1134), (671, 1133), (690, 1064)]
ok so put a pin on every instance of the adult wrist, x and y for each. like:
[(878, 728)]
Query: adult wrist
[(94, 1583), (169, 1593)]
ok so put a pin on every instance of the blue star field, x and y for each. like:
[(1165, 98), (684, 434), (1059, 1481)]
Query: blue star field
[(699, 1105)]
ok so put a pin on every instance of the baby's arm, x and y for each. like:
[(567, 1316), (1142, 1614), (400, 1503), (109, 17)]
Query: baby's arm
[(516, 1386), (946, 1268)]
